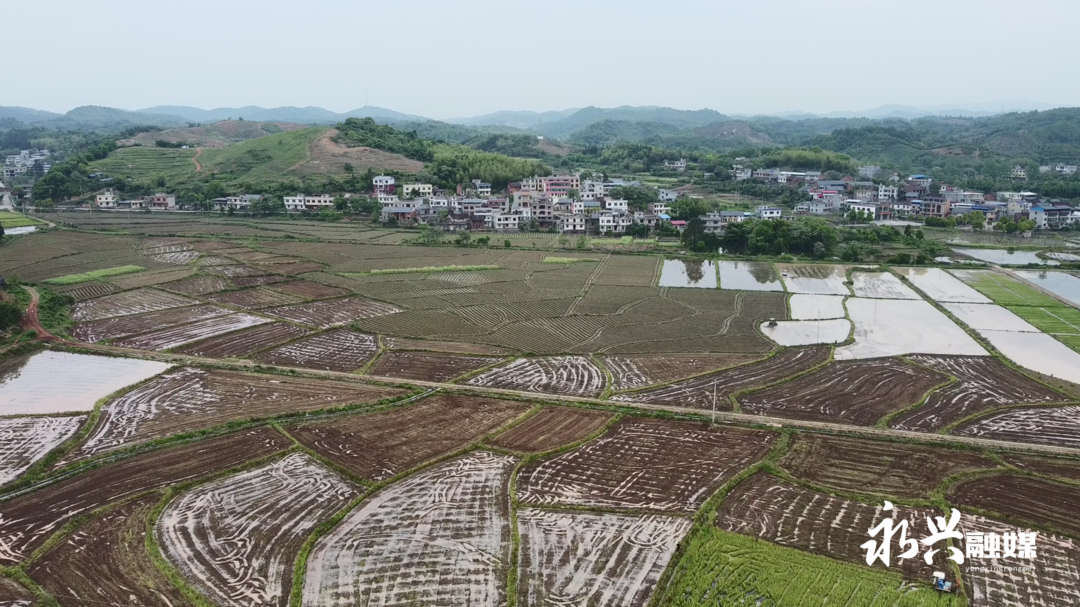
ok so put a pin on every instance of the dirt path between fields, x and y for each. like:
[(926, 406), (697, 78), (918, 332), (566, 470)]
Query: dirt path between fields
[(198, 152), (30, 320)]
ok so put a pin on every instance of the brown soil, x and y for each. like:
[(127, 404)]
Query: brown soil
[(772, 509), (858, 392), (198, 285), (404, 343), (380, 445), (428, 367), (254, 298), (328, 156), (186, 400), (1058, 426), (550, 428), (1021, 498), (253, 281), (1062, 468), (234, 271), (310, 290), (333, 312), (340, 350), (877, 467), (216, 135), (651, 464), (629, 372), (112, 328), (13, 594), (982, 384), (106, 559), (88, 290), (245, 342), (27, 521), (698, 392), (292, 269), (195, 159)]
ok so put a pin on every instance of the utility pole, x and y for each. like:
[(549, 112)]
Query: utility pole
[(714, 402)]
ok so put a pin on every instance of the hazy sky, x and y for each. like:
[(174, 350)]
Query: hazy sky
[(466, 57)]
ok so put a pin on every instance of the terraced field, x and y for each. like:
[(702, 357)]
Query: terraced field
[(173, 337), (340, 350), (334, 312), (1037, 502), (552, 427), (632, 372), (428, 367), (123, 326), (246, 342), (128, 302), (1040, 425), (25, 440), (572, 375)]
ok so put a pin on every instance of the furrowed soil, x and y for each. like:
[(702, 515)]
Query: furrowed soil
[(255, 298), (25, 440), (864, 466), (1068, 469), (341, 350), (105, 562), (310, 290), (245, 342), (856, 392), (983, 383), (644, 464), (188, 399), (1036, 501), (631, 372), (428, 367), (28, 520), (775, 510), (333, 312), (236, 539), (173, 337), (698, 392), (583, 558), (450, 524), (550, 428), (402, 343), (1039, 425), (14, 595), (198, 285), (123, 326), (380, 445), (128, 302), (568, 375)]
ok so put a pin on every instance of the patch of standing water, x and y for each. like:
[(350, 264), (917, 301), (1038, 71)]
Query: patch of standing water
[(749, 276), (22, 230), (1038, 352), (815, 279), (816, 307), (56, 382), (688, 273), (1004, 257), (808, 332), (941, 286), (892, 327), (1061, 284)]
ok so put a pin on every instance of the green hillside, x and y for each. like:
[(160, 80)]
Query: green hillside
[(263, 159)]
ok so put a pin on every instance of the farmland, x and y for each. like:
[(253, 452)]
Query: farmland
[(340, 350), (558, 375), (551, 428), (642, 464), (1040, 425), (428, 367), (24, 440), (1034, 501)]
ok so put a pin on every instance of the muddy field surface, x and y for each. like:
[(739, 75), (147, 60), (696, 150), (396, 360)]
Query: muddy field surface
[(310, 290), (340, 350), (254, 281), (126, 303), (14, 595), (428, 367), (333, 312), (1048, 466), (25, 440), (567, 375), (450, 523), (236, 539), (775, 510), (698, 392), (983, 383), (380, 445), (105, 562), (245, 342), (451, 347), (855, 392), (1040, 425), (188, 399), (1042, 503), (1048, 580), (123, 326), (198, 285), (172, 337), (27, 521), (254, 298), (582, 558), (550, 428), (644, 464), (864, 466), (631, 372)]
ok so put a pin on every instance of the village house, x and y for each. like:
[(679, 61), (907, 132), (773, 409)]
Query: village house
[(106, 200), (768, 212), (417, 190), (675, 165), (570, 223), (383, 184)]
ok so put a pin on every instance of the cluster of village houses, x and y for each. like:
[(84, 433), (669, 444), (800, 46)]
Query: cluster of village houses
[(33, 162), (566, 203)]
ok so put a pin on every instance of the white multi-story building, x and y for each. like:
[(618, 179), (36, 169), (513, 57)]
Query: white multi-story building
[(570, 223), (887, 193), (768, 213), (869, 172), (383, 184), (387, 200), (667, 195), (675, 165), (421, 190), (617, 206), (502, 222), (302, 202), (1066, 169), (106, 200), (658, 208)]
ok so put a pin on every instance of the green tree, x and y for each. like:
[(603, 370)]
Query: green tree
[(507, 244), (976, 219), (10, 315)]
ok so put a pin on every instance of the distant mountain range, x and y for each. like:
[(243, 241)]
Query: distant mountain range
[(302, 115)]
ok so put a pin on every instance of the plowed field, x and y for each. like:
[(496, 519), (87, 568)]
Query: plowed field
[(128, 302), (550, 428), (254, 281), (340, 350), (27, 521), (858, 392), (865, 466), (402, 343), (572, 375), (1042, 503), (772, 509), (122, 326), (631, 372), (644, 464), (450, 523), (310, 290), (185, 334), (428, 367), (25, 440), (106, 559), (236, 538), (258, 297), (198, 285), (185, 400), (380, 445), (1059, 467), (245, 342), (1040, 425), (333, 312), (698, 392), (983, 383)]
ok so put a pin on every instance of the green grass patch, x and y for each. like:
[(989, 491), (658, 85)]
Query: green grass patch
[(1057, 320), (721, 568), (72, 279), (16, 220), (424, 270), (553, 259), (1007, 291)]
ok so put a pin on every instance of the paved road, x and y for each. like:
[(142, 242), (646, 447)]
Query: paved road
[(721, 416)]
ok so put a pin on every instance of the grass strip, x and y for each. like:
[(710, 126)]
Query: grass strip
[(72, 279)]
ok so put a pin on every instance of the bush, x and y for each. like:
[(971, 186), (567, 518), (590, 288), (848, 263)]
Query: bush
[(10, 315)]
